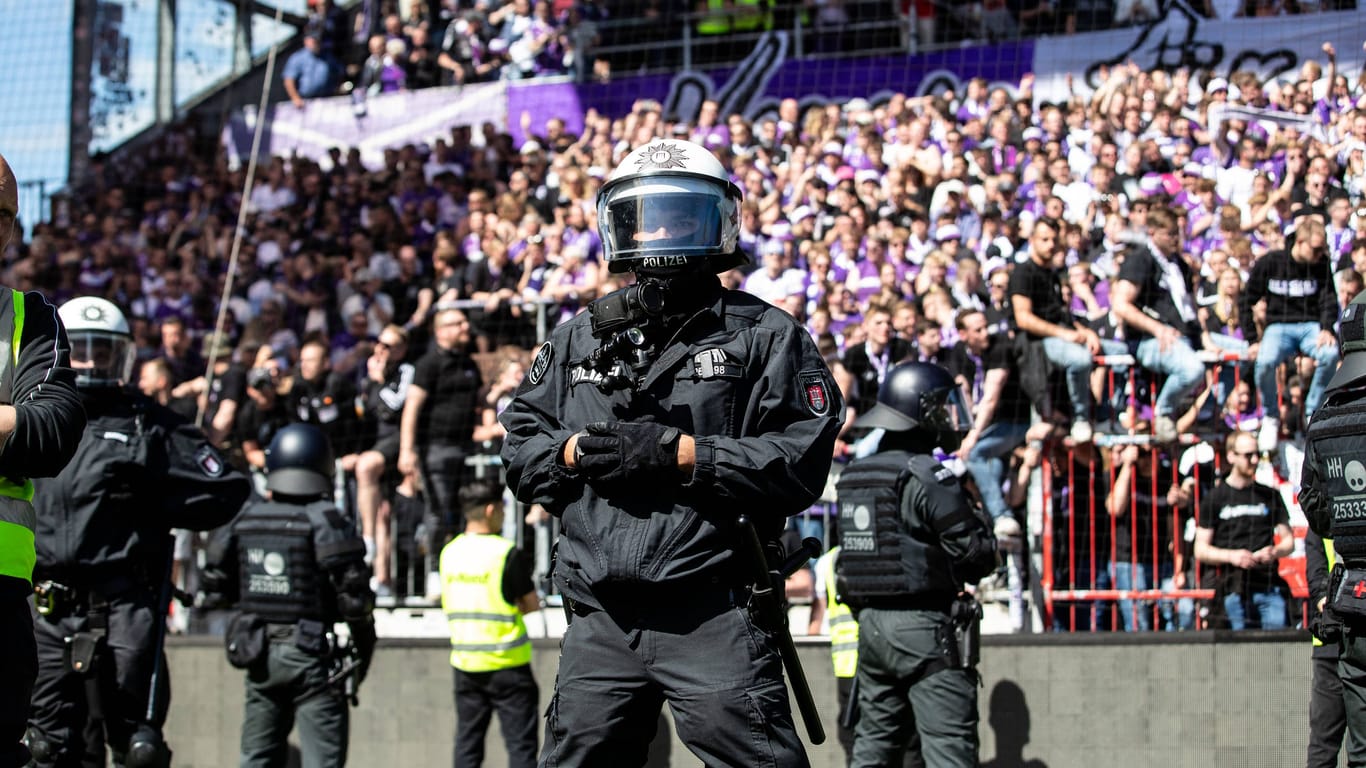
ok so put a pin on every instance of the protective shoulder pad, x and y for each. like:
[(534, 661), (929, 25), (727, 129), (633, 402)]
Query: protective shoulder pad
[(931, 473)]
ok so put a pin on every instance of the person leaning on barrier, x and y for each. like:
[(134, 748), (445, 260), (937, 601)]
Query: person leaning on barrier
[(104, 551), (1333, 497), (41, 420), (485, 589), (649, 425), (294, 566), (910, 538)]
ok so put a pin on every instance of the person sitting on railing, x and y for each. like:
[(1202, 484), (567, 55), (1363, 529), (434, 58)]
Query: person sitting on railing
[(1301, 311), (1244, 529), (1152, 296), (1036, 295)]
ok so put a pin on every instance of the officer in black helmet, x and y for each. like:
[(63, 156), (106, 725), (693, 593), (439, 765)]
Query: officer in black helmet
[(294, 566), (910, 538), (104, 550), (649, 424)]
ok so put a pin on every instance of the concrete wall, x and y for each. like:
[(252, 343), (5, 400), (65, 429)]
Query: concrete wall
[(1054, 701)]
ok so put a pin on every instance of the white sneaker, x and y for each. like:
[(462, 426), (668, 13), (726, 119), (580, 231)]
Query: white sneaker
[(1269, 435), (1164, 429), (1007, 527), (369, 551), (434, 587), (1081, 432)]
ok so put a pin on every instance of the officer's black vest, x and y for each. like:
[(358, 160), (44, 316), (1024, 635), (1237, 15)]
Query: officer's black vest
[(1338, 434), (280, 577), (881, 558)]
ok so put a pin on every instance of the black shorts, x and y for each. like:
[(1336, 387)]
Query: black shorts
[(388, 448)]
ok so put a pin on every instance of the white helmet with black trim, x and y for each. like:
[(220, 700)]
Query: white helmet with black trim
[(668, 204), (102, 349)]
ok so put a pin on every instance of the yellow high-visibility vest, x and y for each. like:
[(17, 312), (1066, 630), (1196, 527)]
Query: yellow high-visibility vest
[(487, 633), (843, 627), (17, 519)]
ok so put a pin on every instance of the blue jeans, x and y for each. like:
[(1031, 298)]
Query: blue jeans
[(1137, 614), (1269, 606), (1279, 343), (1181, 367), (986, 462), (1077, 363), (1228, 372)]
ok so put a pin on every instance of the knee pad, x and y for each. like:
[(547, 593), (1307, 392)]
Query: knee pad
[(147, 749), (43, 749)]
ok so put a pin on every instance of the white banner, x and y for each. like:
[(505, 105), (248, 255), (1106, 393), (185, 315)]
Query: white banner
[(387, 121), (1271, 47)]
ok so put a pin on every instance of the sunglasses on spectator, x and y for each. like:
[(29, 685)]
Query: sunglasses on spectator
[(1249, 455)]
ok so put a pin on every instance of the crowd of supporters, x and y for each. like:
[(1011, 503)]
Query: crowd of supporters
[(891, 230), (393, 45)]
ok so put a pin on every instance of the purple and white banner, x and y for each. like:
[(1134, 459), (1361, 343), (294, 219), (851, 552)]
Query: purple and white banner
[(1180, 37), (387, 121)]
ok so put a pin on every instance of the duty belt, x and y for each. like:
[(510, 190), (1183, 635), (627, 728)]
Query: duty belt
[(54, 599)]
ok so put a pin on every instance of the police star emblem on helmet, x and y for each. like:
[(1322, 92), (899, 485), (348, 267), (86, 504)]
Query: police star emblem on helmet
[(662, 155), (93, 313)]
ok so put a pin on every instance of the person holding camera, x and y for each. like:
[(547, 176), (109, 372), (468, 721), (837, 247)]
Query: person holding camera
[(910, 538), (649, 425), (294, 567)]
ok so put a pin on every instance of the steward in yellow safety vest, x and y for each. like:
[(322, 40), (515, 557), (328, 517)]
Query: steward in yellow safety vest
[(41, 421), (485, 589)]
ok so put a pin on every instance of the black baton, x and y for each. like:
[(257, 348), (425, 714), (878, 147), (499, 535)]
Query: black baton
[(765, 600)]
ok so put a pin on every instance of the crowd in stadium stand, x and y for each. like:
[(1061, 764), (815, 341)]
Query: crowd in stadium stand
[(890, 230), (397, 45)]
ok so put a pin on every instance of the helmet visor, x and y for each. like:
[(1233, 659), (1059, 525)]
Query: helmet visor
[(101, 358), (677, 217), (946, 410)]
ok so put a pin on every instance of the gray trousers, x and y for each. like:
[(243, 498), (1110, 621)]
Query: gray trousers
[(292, 685), (720, 674), (905, 683)]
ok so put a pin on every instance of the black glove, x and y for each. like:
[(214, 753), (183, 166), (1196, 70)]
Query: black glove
[(1325, 625), (363, 636), (623, 454)]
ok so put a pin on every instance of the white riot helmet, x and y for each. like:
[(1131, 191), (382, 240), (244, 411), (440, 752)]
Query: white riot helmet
[(102, 350), (670, 202)]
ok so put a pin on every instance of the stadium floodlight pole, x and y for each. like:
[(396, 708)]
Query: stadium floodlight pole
[(217, 336)]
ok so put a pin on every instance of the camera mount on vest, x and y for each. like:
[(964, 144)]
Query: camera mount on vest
[(620, 320)]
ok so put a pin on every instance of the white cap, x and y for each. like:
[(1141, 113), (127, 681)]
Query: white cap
[(1217, 84), (799, 213), (948, 232)]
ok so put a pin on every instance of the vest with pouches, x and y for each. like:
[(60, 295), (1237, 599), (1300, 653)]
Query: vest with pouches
[(280, 578), (882, 560), (1338, 436)]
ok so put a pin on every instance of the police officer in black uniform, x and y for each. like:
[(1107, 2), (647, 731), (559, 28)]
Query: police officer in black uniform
[(910, 537), (648, 425), (104, 550), (294, 566), (1333, 497)]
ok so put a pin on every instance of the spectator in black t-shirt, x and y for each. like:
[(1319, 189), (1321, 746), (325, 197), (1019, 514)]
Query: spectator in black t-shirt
[(261, 415), (437, 427), (1244, 529), (1000, 413), (325, 398), (493, 280), (154, 381), (1153, 298), (177, 350), (1301, 310), (1036, 296), (869, 362)]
